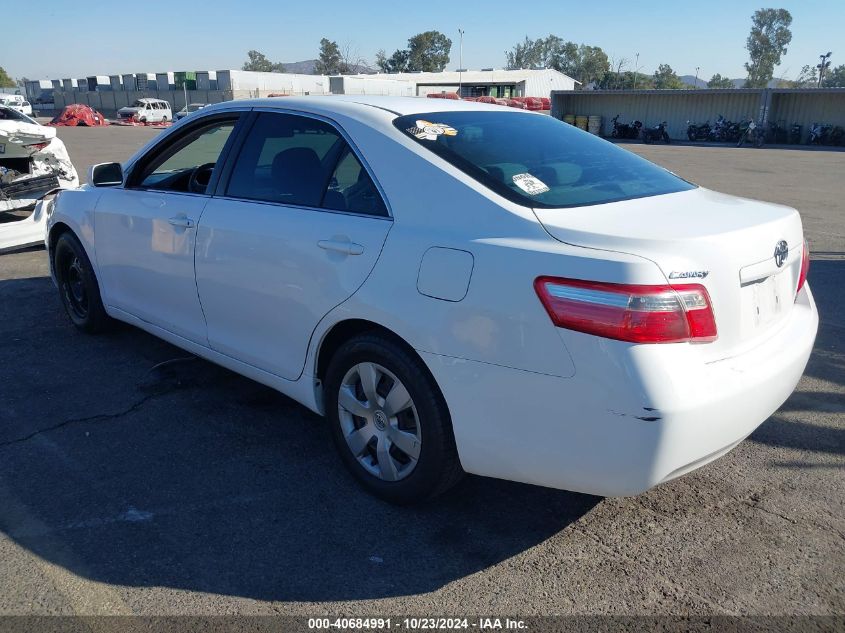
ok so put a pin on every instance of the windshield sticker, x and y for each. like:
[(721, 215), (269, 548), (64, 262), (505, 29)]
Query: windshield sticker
[(529, 184), (427, 131)]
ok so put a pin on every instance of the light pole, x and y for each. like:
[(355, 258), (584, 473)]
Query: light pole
[(696, 77), (636, 69), (824, 64), (461, 65)]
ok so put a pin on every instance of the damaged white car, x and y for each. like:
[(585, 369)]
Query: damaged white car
[(33, 162)]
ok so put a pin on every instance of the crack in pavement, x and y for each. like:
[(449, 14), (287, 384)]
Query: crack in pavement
[(64, 423), (794, 520)]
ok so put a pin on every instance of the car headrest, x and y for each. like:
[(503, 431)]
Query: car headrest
[(296, 175)]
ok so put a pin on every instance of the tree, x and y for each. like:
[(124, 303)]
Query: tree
[(835, 78), (525, 54), (666, 79), (581, 62), (330, 61), (259, 62), (591, 65), (807, 78), (717, 81), (766, 44), (396, 63), (429, 51), (5, 80), (426, 52)]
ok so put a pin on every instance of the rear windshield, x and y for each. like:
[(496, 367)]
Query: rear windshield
[(7, 114), (536, 160)]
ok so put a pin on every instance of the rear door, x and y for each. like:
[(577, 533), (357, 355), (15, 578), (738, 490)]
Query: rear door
[(294, 230)]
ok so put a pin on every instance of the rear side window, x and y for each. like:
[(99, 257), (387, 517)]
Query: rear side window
[(300, 161), (285, 159), (536, 160), (351, 188)]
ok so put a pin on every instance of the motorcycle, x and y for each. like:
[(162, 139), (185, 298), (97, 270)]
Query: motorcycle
[(750, 131), (776, 134), (717, 133), (656, 133), (698, 132), (819, 134), (625, 130)]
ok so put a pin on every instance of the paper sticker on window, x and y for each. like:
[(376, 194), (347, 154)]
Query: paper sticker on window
[(529, 184), (427, 131)]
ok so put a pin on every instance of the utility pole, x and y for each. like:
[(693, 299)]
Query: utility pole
[(696, 77), (823, 65), (461, 65)]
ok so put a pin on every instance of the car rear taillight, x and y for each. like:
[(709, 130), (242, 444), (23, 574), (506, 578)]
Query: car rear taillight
[(627, 312), (805, 267)]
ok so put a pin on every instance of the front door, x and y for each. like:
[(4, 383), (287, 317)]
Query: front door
[(293, 233), (146, 230)]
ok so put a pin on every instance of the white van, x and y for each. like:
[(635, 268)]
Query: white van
[(147, 111)]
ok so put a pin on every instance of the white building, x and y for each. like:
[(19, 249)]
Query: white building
[(487, 82)]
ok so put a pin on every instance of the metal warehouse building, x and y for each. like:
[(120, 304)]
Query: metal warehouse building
[(803, 106), (488, 82)]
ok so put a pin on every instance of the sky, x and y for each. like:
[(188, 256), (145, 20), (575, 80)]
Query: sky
[(66, 39)]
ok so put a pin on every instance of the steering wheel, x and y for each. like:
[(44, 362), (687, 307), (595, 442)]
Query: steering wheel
[(200, 177)]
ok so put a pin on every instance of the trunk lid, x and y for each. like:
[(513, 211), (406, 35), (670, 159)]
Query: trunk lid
[(725, 243)]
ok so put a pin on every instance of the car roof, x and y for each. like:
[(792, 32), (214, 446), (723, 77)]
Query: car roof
[(363, 107)]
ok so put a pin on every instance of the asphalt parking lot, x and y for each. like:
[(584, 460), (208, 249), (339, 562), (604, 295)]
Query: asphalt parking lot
[(130, 484)]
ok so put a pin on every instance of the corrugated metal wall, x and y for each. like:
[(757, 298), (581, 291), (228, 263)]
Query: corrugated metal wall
[(808, 107), (676, 107)]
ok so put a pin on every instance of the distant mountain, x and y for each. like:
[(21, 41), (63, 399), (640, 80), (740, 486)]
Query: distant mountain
[(690, 81), (307, 66), (301, 68)]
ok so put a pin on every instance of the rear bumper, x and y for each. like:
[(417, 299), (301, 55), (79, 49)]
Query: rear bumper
[(633, 416)]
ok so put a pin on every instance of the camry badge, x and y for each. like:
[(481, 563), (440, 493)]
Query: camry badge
[(689, 274), (781, 253)]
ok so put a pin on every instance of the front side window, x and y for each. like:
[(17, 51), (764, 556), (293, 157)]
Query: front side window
[(536, 160), (186, 164)]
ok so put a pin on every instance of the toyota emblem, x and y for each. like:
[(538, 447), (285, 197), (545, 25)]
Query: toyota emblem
[(781, 253)]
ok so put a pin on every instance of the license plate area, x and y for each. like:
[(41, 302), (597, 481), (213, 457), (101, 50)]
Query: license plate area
[(766, 301)]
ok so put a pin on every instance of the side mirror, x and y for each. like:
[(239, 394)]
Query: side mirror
[(106, 175)]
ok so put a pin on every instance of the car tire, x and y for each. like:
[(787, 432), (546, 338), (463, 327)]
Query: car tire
[(401, 455), (78, 287)]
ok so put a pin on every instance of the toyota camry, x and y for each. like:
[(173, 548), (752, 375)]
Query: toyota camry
[(457, 287)]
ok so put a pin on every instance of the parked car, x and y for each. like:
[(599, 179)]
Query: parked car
[(18, 103), (147, 111), (457, 287), (33, 162), (189, 109)]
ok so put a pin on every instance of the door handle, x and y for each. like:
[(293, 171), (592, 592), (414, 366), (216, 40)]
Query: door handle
[(181, 221), (348, 248)]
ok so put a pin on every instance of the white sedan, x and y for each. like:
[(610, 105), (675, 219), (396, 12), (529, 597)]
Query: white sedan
[(457, 287)]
